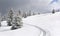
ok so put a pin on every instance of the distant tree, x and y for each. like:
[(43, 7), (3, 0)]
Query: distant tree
[(33, 13), (10, 17), (3, 18), (17, 22), (19, 12), (29, 12), (38, 13), (24, 14), (0, 19), (53, 11), (0, 24)]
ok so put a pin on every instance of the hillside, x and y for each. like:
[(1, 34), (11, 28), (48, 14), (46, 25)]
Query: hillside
[(49, 22)]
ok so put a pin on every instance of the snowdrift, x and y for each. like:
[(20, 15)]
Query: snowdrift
[(4, 26), (4, 23), (49, 22)]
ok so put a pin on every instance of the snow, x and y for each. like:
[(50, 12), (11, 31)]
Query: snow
[(38, 25), (4, 26), (26, 30), (7, 28), (4, 23), (49, 22)]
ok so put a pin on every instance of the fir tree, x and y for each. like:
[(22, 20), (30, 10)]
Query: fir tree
[(53, 11), (29, 12), (3, 18), (0, 19), (19, 12), (24, 14), (33, 13), (10, 17), (17, 23)]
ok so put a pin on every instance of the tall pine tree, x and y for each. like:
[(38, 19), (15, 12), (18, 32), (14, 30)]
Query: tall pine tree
[(17, 22), (10, 17)]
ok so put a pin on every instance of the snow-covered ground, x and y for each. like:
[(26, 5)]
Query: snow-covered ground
[(26, 30), (37, 25), (4, 23), (4, 26), (49, 22)]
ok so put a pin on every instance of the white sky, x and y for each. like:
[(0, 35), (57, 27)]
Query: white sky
[(42, 6)]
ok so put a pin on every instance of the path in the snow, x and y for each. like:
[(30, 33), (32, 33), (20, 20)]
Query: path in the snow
[(26, 30), (49, 22)]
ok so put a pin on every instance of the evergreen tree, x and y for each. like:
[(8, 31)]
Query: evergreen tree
[(17, 22), (3, 18), (24, 14), (38, 13), (33, 13), (29, 12), (10, 17), (19, 12), (0, 19), (53, 11)]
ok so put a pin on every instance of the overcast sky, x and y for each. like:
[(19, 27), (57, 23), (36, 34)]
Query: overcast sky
[(42, 6)]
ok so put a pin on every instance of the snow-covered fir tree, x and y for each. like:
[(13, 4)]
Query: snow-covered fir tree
[(3, 18), (19, 12), (10, 17), (17, 22), (29, 12), (24, 14), (53, 11)]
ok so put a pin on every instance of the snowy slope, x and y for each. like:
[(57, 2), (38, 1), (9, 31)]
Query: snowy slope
[(26, 30), (49, 22)]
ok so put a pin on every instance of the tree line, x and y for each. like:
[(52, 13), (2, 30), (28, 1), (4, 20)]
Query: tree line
[(15, 19)]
